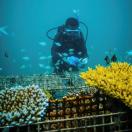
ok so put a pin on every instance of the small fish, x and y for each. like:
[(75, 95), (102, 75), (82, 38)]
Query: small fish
[(129, 53), (60, 54), (49, 57), (26, 58), (42, 43), (64, 59), (115, 49), (113, 58), (22, 67), (109, 52), (1, 69), (106, 52), (107, 60), (76, 11), (58, 44), (47, 67), (22, 50), (71, 50), (70, 69), (57, 63), (84, 60), (57, 67), (62, 62), (3, 30), (42, 57), (6, 55), (65, 54), (71, 53), (79, 53), (41, 65)]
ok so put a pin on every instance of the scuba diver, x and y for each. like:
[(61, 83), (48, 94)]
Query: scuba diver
[(69, 52)]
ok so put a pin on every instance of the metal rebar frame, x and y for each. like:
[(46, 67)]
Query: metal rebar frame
[(112, 122), (97, 118)]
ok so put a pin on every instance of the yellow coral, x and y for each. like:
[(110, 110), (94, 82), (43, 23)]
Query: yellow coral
[(115, 80)]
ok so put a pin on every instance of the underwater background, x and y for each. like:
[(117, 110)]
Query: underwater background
[(25, 48)]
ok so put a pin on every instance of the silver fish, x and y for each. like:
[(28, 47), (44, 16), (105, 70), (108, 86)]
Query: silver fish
[(76, 11), (57, 63), (129, 53), (57, 67), (22, 66), (58, 44), (60, 54), (71, 53), (22, 50), (26, 58), (3, 30), (47, 67), (41, 65), (70, 69), (42, 43), (42, 57), (65, 54), (71, 50), (48, 57), (79, 53), (61, 62), (65, 59)]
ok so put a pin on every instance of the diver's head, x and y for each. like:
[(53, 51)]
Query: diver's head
[(72, 28), (72, 23)]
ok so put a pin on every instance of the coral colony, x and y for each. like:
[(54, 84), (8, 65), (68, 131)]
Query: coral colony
[(24, 105), (115, 80)]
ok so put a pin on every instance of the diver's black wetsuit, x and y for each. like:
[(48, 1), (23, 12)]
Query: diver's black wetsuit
[(67, 42)]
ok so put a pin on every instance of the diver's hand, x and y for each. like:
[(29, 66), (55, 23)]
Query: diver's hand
[(72, 60), (82, 63)]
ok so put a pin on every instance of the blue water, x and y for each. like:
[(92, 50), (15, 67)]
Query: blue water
[(26, 22)]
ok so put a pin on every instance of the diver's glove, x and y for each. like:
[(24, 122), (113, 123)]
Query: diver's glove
[(72, 60), (82, 63)]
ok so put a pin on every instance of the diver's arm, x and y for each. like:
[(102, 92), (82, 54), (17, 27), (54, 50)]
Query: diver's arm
[(55, 50), (84, 56), (82, 47), (54, 54)]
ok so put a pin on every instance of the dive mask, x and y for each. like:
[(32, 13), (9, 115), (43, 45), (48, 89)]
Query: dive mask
[(73, 33)]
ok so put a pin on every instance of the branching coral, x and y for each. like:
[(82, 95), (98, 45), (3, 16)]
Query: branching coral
[(22, 105), (115, 80)]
